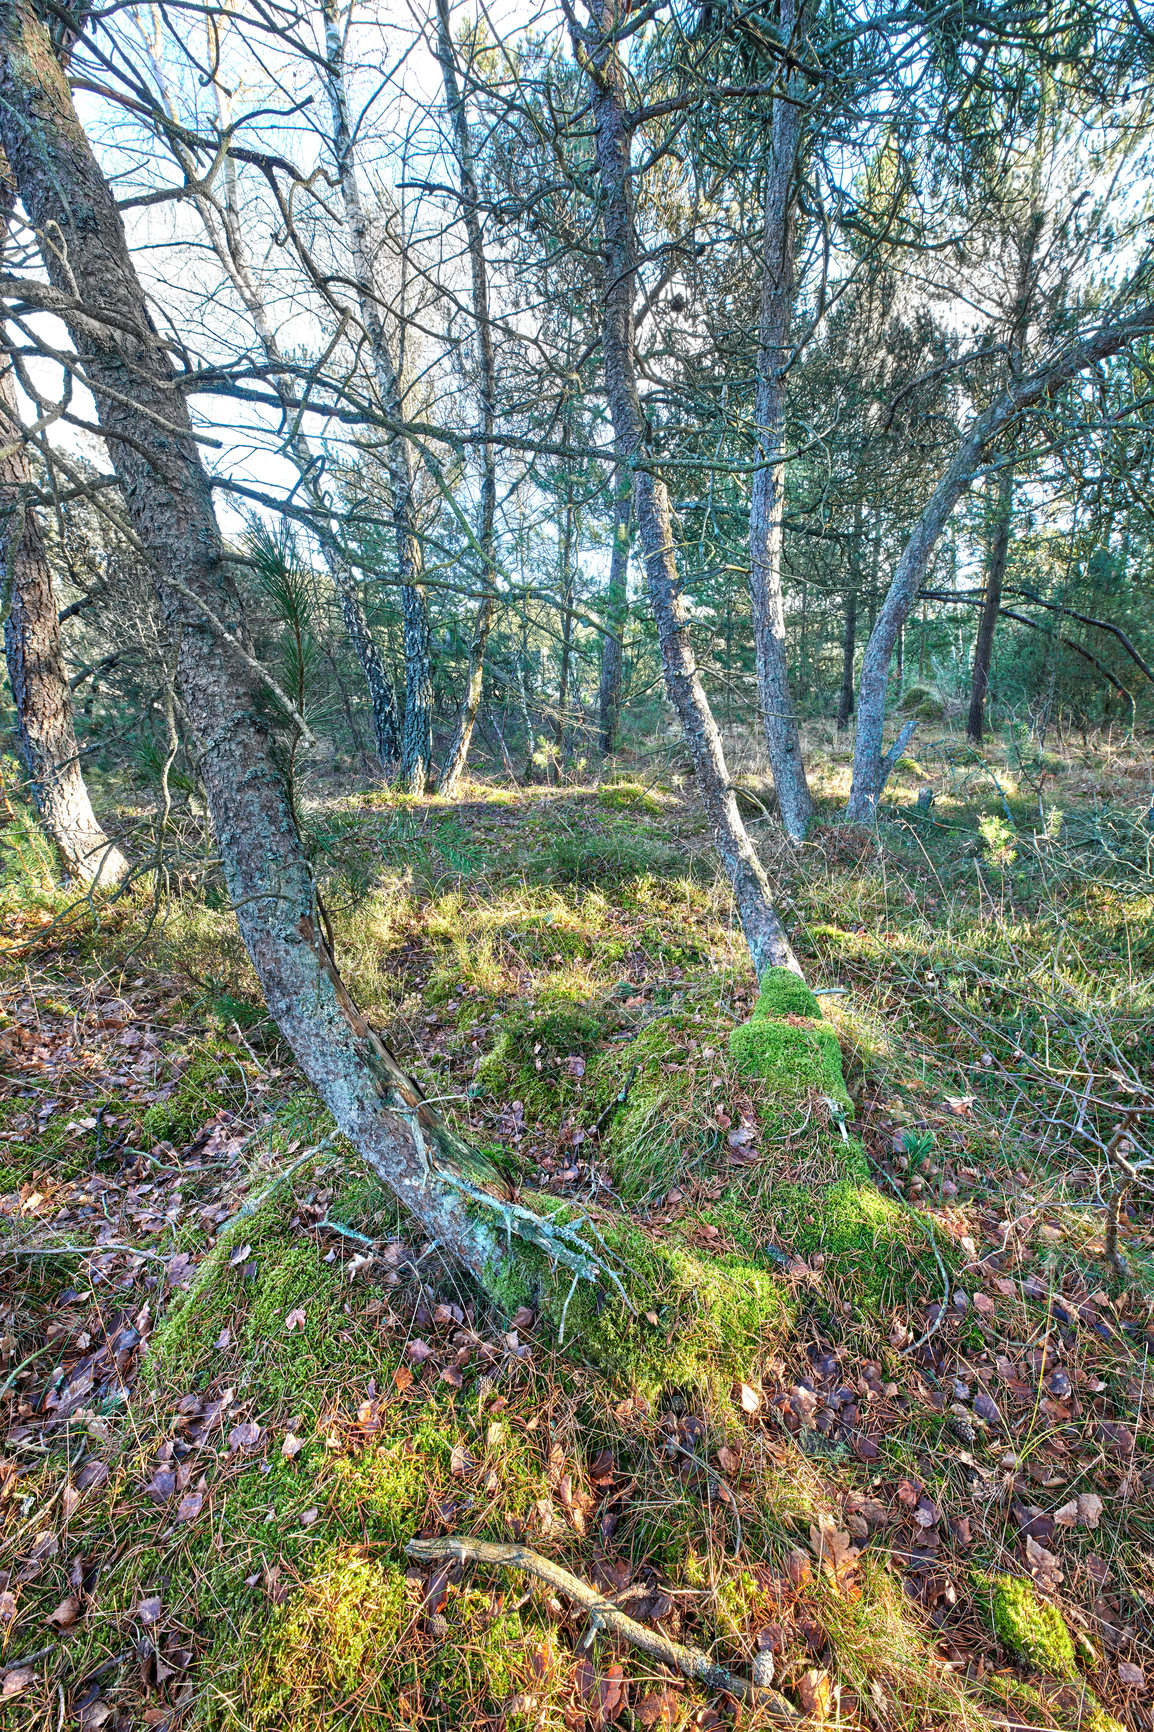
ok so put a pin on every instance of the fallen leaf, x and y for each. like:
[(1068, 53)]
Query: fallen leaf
[(1044, 1566), (69, 1500), (418, 1351), (66, 1613), (16, 1680), (7, 1606), (726, 1460), (190, 1506), (814, 1692), (162, 1485), (1128, 1673), (523, 1319), (460, 1461), (239, 1255), (291, 1445), (148, 1610), (833, 1548), (1090, 1508), (244, 1437), (295, 1319), (309, 1516), (750, 1399), (983, 1304)]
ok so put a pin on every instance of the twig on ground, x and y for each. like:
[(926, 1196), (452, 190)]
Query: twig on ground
[(603, 1615), (1126, 1177)]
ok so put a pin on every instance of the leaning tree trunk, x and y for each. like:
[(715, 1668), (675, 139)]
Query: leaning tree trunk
[(457, 755), (596, 50), (452, 1192), (991, 603), (45, 738), (616, 614), (869, 767), (417, 731), (767, 504)]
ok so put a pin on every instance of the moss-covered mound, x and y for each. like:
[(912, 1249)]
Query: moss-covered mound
[(530, 1059), (700, 1319), (1034, 1628), (786, 1043)]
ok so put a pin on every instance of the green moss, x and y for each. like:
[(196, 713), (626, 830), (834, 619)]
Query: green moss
[(718, 1316), (794, 1059), (1031, 1626), (205, 1085), (786, 1042), (784, 993), (866, 1238), (626, 796), (289, 1275), (337, 1636), (527, 1062)]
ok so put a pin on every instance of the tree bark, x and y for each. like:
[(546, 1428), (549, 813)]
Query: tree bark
[(452, 1191), (566, 630), (1019, 396), (44, 734), (766, 529), (995, 577), (417, 731), (845, 703), (616, 614), (597, 53), (457, 755)]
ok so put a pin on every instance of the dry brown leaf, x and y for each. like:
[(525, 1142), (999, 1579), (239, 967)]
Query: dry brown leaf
[(750, 1399), (66, 1613), (291, 1446), (813, 1688), (1132, 1675), (1044, 1566), (190, 1506), (295, 1319)]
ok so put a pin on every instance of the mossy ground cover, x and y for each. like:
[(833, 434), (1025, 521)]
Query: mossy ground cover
[(879, 1378)]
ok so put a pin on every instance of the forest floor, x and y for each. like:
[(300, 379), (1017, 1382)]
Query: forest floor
[(907, 1470)]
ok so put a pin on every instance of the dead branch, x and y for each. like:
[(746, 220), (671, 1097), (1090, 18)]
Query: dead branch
[(603, 1615)]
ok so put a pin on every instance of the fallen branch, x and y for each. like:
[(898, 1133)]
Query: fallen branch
[(603, 1615)]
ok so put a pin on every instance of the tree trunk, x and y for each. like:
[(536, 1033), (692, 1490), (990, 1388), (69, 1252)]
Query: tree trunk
[(995, 577), (454, 1193), (45, 739), (566, 631), (457, 755), (417, 732), (597, 53), (766, 532), (222, 223), (1020, 395), (845, 704), (616, 615)]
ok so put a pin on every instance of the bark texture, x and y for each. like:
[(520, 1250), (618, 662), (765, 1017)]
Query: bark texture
[(616, 614), (457, 755), (166, 492), (766, 507), (597, 53), (417, 732), (1022, 394), (849, 644), (991, 604), (44, 734)]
